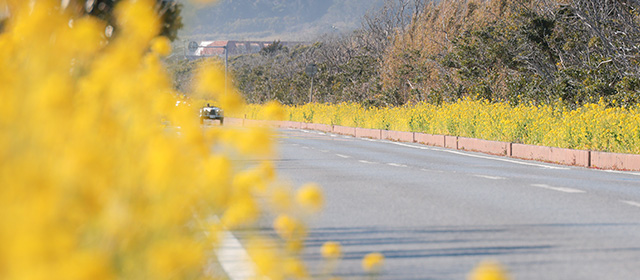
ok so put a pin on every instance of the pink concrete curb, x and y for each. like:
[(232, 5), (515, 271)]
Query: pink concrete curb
[(290, 124), (451, 142), (601, 160), (400, 136), (429, 139), (551, 154), (484, 146), (344, 130), (615, 161), (322, 127), (233, 121), (248, 122), (368, 133)]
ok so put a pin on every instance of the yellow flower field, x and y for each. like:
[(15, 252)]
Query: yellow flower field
[(590, 127)]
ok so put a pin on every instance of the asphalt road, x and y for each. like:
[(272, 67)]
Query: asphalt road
[(435, 213)]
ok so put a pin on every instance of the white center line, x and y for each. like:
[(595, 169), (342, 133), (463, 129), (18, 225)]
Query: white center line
[(559, 189), (489, 177), (632, 203), (367, 162), (343, 156), (397, 165)]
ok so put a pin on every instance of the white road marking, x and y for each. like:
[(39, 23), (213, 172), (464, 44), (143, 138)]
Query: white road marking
[(620, 172), (305, 131), (343, 156), (632, 203), (324, 151), (295, 144), (322, 133), (559, 189), (431, 170), (367, 162), (483, 157), (305, 147), (397, 164), (234, 259), (489, 177)]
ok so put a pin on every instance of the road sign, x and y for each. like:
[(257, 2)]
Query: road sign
[(193, 46), (311, 69)]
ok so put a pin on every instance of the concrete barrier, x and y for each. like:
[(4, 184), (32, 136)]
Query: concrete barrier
[(484, 146), (344, 130), (255, 123), (400, 136), (233, 121), (368, 133), (294, 125), (451, 142), (630, 162), (321, 127), (551, 154), (429, 139), (603, 160)]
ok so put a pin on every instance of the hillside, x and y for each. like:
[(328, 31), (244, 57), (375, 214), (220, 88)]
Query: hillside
[(273, 19)]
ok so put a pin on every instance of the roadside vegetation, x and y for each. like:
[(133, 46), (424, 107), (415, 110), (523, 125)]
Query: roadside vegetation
[(568, 52), (596, 127), (562, 73)]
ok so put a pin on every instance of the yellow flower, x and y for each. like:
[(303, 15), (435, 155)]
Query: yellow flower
[(295, 268), (310, 197), (288, 228), (161, 45), (331, 250), (488, 270), (372, 262), (273, 111)]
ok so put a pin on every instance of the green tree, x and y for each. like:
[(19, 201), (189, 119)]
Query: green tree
[(169, 11)]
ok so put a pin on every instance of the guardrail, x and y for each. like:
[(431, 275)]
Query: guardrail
[(583, 158)]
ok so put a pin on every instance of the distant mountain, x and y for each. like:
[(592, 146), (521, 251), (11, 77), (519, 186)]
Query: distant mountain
[(293, 20)]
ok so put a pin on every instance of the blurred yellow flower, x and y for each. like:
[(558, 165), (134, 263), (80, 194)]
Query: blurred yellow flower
[(331, 250), (488, 270), (161, 46), (274, 111), (111, 179), (372, 262), (310, 197), (288, 227), (295, 268)]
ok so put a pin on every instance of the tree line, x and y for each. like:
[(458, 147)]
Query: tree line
[(532, 51)]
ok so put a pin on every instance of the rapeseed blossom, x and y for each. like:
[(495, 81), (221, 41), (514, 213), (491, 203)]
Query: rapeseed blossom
[(102, 176), (488, 270), (372, 262), (595, 126), (331, 250)]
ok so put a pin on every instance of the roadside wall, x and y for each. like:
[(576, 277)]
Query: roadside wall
[(583, 158)]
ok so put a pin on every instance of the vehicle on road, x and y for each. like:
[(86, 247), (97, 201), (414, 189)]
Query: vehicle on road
[(211, 113)]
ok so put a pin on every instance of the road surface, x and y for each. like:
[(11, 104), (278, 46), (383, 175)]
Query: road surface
[(435, 213)]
